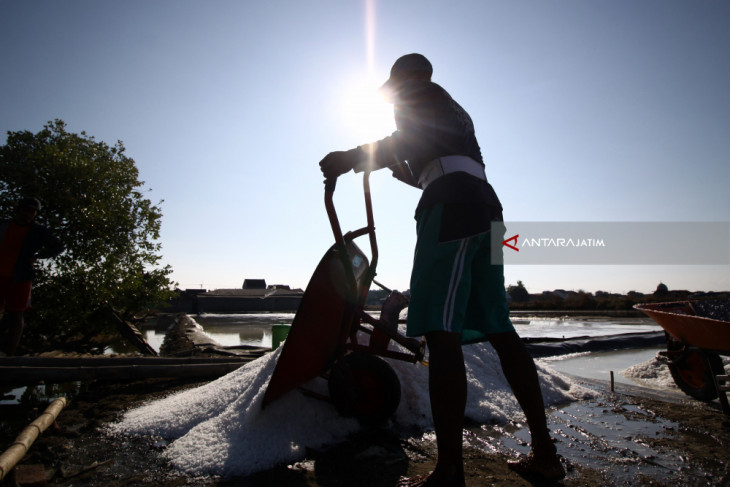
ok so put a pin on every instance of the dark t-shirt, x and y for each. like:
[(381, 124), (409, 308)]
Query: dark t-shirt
[(37, 242), (11, 240), (430, 124)]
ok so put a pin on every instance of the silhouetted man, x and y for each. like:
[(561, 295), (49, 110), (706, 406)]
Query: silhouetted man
[(22, 241), (457, 294)]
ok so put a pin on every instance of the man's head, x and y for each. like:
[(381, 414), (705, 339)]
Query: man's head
[(28, 208), (409, 67)]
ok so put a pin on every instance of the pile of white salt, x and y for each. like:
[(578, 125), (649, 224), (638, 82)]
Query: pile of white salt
[(220, 428)]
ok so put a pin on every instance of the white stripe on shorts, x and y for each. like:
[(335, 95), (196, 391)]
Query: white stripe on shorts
[(456, 272)]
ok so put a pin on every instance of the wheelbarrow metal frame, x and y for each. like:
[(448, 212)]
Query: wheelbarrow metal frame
[(347, 284)]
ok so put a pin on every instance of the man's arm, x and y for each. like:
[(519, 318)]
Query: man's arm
[(373, 156), (386, 152)]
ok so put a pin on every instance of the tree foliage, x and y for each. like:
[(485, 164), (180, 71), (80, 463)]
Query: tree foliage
[(92, 201), (376, 297), (518, 293)]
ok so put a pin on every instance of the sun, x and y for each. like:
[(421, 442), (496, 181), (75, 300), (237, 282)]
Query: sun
[(366, 112)]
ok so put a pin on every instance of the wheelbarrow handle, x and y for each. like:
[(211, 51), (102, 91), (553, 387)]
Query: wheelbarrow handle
[(371, 224), (341, 240), (330, 184), (329, 190)]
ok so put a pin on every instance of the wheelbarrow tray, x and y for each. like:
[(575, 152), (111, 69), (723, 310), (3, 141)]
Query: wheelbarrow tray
[(326, 314), (700, 323)]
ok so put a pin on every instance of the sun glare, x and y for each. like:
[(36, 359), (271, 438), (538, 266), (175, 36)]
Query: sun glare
[(367, 113)]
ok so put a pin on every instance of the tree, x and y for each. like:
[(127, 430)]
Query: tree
[(92, 201), (518, 293)]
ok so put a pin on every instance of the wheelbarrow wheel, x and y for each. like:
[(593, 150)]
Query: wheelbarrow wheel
[(364, 386), (694, 370)]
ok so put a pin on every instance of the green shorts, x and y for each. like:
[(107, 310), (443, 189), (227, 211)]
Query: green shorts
[(454, 285)]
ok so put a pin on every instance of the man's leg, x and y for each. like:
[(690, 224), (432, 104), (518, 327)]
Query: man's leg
[(17, 298), (521, 373), (447, 389), (433, 291), (14, 322)]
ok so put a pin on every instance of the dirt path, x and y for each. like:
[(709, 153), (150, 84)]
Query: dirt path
[(615, 439)]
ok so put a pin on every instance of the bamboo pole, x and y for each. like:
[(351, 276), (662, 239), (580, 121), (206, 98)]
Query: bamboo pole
[(25, 439)]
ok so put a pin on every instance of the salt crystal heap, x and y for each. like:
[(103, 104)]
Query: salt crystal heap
[(220, 428)]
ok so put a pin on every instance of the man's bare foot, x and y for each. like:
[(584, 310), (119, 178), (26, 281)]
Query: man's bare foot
[(547, 467), (430, 480)]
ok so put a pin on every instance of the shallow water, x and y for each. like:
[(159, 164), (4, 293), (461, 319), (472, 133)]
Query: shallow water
[(255, 328), (611, 437), (599, 365), (229, 329), (606, 435)]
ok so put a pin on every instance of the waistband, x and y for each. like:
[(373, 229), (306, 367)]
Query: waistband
[(447, 165)]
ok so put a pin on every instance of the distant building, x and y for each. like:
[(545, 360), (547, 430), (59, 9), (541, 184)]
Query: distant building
[(254, 284), (254, 296), (186, 301)]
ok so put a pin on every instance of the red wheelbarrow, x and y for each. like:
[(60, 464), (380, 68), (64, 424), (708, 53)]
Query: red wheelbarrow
[(331, 327)]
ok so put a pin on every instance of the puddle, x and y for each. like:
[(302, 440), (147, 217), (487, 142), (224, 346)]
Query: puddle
[(610, 437), (20, 405), (38, 395)]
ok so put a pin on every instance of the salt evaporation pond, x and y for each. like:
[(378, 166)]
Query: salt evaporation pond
[(255, 328), (219, 428)]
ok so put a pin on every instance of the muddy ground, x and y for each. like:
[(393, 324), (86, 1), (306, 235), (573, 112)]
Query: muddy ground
[(631, 437)]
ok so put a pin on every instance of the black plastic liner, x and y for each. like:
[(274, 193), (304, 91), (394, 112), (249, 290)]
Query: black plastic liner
[(550, 347)]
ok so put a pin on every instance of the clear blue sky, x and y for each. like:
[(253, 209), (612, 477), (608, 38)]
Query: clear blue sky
[(585, 111)]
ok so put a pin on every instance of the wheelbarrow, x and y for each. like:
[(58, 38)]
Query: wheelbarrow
[(332, 336), (698, 334)]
